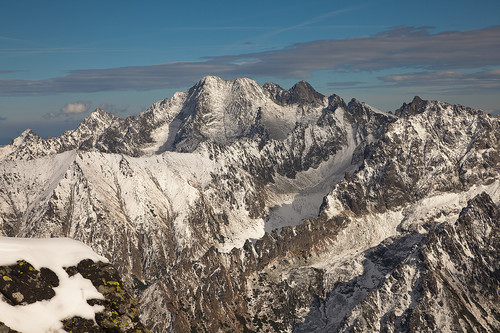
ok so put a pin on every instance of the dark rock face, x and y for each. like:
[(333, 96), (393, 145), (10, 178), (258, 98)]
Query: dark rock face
[(463, 281), (5, 329), (415, 107), (22, 284), (301, 93)]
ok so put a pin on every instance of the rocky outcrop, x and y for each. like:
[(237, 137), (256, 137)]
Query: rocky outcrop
[(22, 284), (301, 93), (416, 106)]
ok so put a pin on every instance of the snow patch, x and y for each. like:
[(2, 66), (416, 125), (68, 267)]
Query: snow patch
[(374, 109), (444, 207), (296, 200)]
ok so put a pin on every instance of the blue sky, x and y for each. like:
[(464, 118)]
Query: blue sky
[(59, 60)]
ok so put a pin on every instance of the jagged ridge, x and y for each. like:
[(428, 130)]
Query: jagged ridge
[(173, 196)]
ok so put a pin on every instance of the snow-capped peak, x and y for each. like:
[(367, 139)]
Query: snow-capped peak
[(25, 137)]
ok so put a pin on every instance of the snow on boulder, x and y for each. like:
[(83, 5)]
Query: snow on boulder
[(58, 285)]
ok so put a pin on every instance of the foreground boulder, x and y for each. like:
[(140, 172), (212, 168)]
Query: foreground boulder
[(42, 293)]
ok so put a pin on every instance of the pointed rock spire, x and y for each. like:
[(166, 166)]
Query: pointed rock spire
[(416, 106)]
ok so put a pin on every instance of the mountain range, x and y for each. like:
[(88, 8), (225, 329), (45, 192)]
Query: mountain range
[(245, 208)]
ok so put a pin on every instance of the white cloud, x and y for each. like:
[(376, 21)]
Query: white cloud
[(75, 108), (69, 109)]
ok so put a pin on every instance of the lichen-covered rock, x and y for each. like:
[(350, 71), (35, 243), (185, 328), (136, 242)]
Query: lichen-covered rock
[(121, 310), (78, 324), (23, 284)]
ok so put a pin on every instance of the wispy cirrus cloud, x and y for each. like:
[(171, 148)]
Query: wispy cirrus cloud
[(8, 72), (54, 50), (310, 21), (223, 28), (396, 49), (8, 38)]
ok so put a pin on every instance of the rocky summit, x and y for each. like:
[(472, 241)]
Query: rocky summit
[(235, 207)]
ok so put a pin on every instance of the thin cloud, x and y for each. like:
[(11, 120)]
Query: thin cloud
[(449, 81), (138, 78), (3, 118), (401, 48), (223, 28), (408, 47), (55, 50), (344, 84), (50, 115), (111, 108), (13, 39)]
